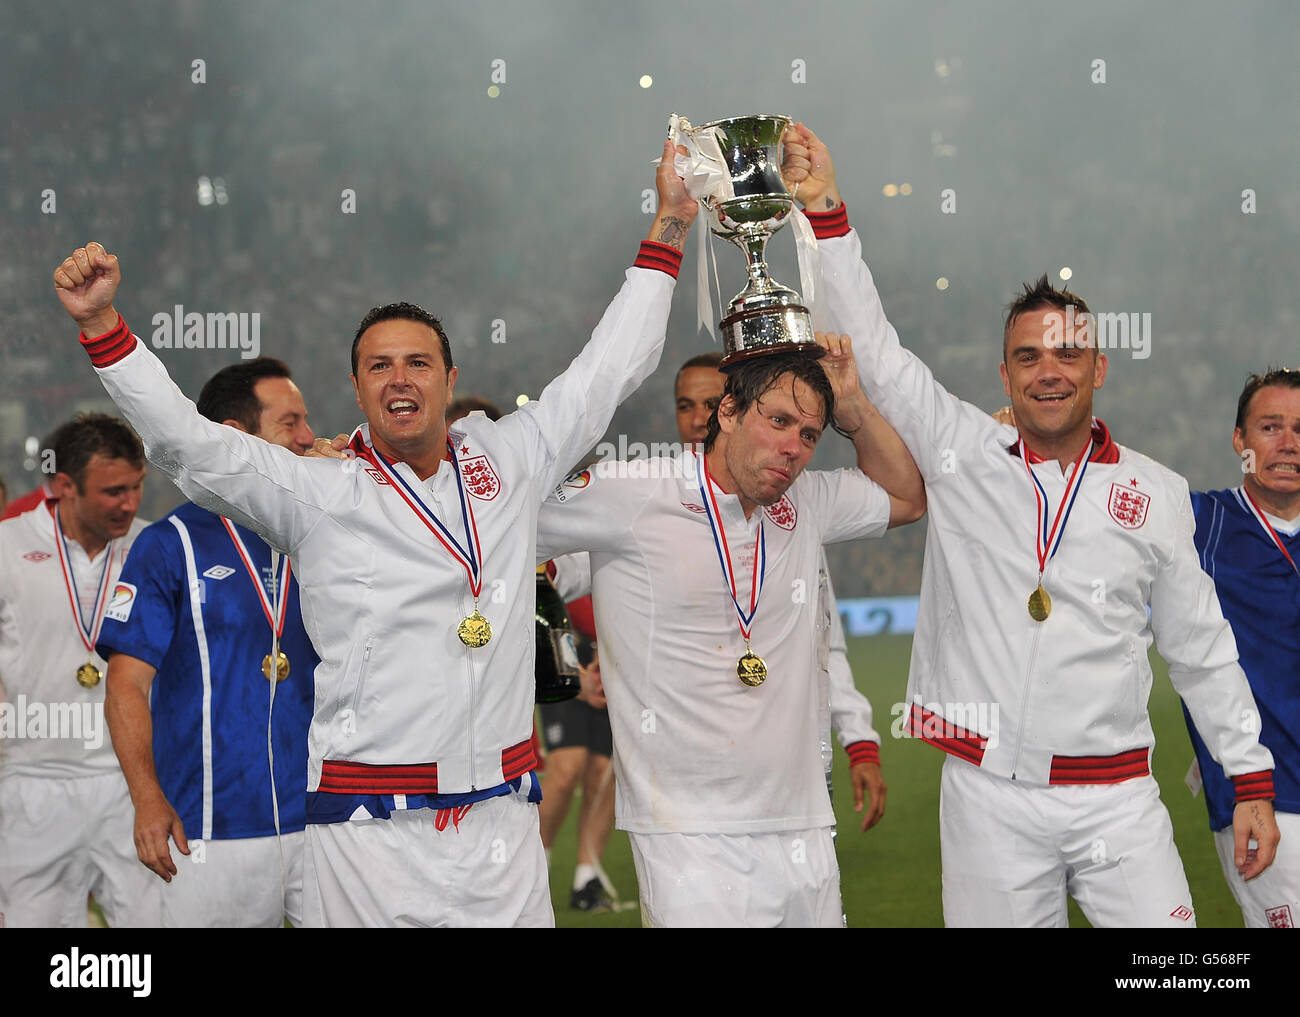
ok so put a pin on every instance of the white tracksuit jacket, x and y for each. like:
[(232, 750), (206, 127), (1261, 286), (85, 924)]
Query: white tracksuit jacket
[(1065, 700), (402, 706), (847, 710), (63, 732)]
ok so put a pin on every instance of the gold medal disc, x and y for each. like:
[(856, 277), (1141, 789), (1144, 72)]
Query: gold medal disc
[(281, 666), (88, 675), (1040, 604), (751, 670), (474, 631)]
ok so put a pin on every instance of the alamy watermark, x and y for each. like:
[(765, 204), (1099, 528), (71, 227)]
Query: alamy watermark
[(946, 720), (83, 722), (224, 330), (637, 460), (1109, 330)]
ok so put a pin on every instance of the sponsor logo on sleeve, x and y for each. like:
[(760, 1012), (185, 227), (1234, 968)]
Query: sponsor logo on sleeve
[(123, 599)]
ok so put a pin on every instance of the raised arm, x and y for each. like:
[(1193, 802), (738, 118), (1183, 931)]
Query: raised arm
[(576, 407), (882, 456), (931, 421), (263, 486)]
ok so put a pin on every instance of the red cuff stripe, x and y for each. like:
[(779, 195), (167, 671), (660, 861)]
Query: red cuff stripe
[(827, 225), (863, 752), (107, 349), (1100, 769), (518, 759), (1250, 786), (346, 777), (658, 256), (943, 734)]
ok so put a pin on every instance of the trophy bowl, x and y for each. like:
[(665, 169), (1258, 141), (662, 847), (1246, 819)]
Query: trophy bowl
[(764, 317)]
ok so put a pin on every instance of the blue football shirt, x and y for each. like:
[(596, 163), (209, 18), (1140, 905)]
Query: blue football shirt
[(195, 615)]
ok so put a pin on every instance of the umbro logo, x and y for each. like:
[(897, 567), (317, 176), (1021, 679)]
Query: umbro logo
[(36, 556), (219, 572)]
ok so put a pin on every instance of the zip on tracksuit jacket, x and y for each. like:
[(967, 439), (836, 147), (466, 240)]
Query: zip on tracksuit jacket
[(404, 710)]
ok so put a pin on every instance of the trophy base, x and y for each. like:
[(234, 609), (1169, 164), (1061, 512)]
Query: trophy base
[(759, 332)]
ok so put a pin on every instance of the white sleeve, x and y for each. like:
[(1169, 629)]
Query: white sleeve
[(573, 576), (846, 504), (851, 716), (556, 429), (1196, 640), (265, 487), (931, 421), (9, 630), (594, 510)]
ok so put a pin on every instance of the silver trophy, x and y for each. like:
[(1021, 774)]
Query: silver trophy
[(751, 205)]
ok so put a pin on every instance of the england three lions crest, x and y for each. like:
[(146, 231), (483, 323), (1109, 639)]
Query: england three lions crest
[(783, 513), (480, 479), (1128, 506)]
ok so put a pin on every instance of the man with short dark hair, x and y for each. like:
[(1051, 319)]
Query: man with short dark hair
[(704, 576), (211, 738), (65, 814), (1044, 552), (416, 560), (1249, 539)]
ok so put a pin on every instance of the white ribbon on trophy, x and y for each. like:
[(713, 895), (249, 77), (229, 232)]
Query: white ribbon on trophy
[(704, 173)]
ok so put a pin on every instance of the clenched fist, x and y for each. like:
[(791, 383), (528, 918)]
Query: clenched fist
[(86, 283)]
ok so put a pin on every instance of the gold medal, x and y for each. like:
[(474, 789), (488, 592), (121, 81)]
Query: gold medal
[(88, 675), (281, 666), (1040, 604), (751, 670), (474, 631)]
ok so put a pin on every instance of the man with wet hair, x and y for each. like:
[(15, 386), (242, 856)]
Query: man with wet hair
[(704, 582)]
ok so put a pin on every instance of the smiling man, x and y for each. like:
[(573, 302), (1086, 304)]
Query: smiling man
[(1045, 550), (1249, 539), (209, 751), (65, 811), (416, 564), (704, 576)]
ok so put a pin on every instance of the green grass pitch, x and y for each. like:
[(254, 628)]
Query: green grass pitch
[(890, 876)]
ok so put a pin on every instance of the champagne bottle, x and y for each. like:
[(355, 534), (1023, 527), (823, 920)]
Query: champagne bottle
[(555, 665)]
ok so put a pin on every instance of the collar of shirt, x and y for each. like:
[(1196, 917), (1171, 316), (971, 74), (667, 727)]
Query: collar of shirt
[(1104, 449)]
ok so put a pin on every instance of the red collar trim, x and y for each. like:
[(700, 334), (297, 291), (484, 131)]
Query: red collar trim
[(1104, 449), (363, 451)]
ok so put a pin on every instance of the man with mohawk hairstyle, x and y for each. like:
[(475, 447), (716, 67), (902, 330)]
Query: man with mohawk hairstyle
[(1048, 543)]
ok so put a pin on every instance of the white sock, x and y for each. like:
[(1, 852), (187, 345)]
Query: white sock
[(583, 875)]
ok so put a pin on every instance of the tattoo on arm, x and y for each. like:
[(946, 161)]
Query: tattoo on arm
[(674, 231)]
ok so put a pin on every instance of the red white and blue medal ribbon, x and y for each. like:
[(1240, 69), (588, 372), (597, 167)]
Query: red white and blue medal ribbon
[(724, 552), (1048, 540), (470, 556), (89, 633), (275, 614), (1258, 513)]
